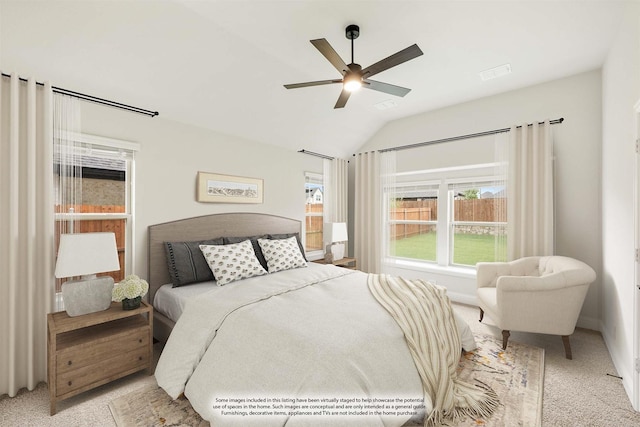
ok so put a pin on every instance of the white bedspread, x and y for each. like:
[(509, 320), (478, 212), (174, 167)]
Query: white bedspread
[(309, 332)]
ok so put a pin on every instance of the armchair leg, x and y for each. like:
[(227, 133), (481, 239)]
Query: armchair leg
[(481, 315), (567, 347), (505, 338)]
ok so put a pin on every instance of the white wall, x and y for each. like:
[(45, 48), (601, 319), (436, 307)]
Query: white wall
[(620, 91), (171, 155), (577, 165)]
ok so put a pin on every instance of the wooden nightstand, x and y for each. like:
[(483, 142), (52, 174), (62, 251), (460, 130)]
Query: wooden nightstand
[(345, 262), (93, 349)]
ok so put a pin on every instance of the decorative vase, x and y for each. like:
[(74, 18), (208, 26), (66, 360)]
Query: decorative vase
[(131, 303)]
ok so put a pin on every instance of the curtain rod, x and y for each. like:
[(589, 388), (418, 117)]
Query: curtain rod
[(311, 153), (456, 138), (95, 99)]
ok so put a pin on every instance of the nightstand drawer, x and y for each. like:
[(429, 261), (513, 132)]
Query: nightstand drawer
[(82, 355), (112, 365)]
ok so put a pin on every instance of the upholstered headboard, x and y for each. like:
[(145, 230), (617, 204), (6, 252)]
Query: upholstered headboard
[(207, 227)]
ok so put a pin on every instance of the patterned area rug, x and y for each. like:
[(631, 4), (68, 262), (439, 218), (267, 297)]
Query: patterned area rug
[(516, 375)]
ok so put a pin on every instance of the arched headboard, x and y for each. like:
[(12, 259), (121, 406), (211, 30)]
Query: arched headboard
[(208, 227)]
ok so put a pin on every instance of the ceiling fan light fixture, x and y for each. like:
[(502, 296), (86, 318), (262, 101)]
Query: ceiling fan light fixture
[(352, 83)]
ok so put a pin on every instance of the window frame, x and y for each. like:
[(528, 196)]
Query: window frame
[(390, 222), (444, 177)]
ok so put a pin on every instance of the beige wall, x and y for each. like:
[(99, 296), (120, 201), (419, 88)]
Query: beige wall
[(577, 162)]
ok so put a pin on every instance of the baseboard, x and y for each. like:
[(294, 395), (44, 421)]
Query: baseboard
[(463, 298), (618, 363), (587, 322)]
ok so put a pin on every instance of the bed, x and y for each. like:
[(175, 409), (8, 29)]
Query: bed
[(201, 228), (284, 348)]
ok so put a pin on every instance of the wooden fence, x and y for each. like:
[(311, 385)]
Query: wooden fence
[(471, 210), (313, 227), (466, 210)]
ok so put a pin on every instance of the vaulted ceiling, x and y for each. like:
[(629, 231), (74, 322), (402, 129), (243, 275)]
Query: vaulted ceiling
[(222, 64)]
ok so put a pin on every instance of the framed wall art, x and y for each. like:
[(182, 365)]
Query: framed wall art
[(217, 188)]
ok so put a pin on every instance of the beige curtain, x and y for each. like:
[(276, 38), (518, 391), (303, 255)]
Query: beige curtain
[(335, 182), (26, 237), (530, 212), (368, 221), (374, 172)]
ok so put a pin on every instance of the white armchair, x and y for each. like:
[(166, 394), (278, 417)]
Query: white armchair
[(534, 294)]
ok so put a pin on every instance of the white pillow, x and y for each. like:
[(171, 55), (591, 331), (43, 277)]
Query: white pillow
[(232, 262), (282, 254)]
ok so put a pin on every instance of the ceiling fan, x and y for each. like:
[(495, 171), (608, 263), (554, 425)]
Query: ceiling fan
[(353, 75)]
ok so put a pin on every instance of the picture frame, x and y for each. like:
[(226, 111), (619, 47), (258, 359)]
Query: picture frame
[(219, 188)]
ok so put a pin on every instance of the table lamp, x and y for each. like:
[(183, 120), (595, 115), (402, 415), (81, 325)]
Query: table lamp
[(85, 254), (335, 234)]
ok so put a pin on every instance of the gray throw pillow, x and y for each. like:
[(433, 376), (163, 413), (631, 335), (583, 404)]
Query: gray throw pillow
[(186, 263)]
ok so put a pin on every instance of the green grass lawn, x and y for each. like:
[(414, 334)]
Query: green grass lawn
[(468, 249)]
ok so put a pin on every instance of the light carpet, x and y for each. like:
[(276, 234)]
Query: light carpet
[(516, 376)]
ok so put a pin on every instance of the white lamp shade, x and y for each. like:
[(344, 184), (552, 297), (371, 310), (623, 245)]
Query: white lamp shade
[(335, 232), (84, 254)]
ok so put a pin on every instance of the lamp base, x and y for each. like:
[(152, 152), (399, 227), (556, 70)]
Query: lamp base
[(337, 249), (87, 295)]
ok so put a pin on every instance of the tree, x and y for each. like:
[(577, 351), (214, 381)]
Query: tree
[(472, 193)]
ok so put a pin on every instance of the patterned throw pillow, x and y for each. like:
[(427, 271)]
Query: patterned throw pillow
[(254, 243), (282, 254), (232, 262), (286, 236)]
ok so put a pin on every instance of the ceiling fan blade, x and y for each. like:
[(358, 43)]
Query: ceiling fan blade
[(317, 83), (397, 58), (325, 48), (385, 87), (342, 99)]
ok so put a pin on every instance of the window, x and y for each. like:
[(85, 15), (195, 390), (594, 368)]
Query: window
[(314, 194), (93, 179), (447, 217), (477, 223), (413, 216)]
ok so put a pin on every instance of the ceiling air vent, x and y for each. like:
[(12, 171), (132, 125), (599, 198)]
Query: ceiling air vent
[(492, 73)]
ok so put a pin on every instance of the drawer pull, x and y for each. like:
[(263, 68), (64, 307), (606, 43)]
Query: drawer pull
[(140, 358), (69, 363), (140, 340), (69, 383)]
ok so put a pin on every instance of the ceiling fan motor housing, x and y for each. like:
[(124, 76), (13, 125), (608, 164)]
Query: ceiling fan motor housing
[(355, 68)]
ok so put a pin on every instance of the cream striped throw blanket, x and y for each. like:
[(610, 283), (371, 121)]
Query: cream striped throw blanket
[(424, 313)]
